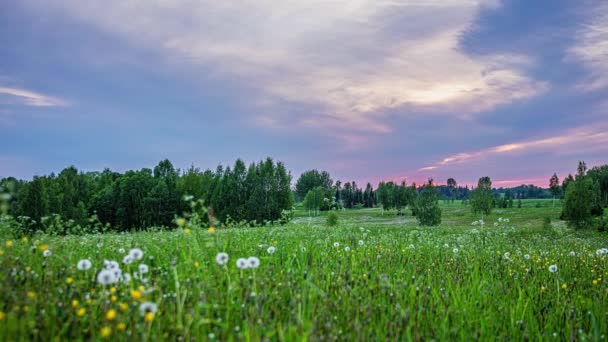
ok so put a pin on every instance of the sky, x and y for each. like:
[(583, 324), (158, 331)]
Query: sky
[(368, 90)]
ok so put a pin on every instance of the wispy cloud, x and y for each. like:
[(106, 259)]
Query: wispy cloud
[(350, 61), (587, 139), (31, 98)]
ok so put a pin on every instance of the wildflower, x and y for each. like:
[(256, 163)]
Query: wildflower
[(81, 312), (127, 259), (564, 286), (75, 303), (2, 316), (222, 258), (446, 246), (99, 245), (8, 243), (527, 256), (455, 250), (361, 243), (594, 282), (121, 326), (47, 253), (143, 268), (187, 231), (123, 307), (181, 222), (196, 264), (347, 249), (336, 244), (105, 332), (253, 262), (111, 265), (147, 307), (553, 268), (271, 249), (601, 251), (31, 294), (149, 317), (44, 248), (121, 250), (242, 263), (111, 315), (136, 254), (69, 280), (106, 277), (211, 230), (136, 294), (572, 254), (126, 278), (84, 264)]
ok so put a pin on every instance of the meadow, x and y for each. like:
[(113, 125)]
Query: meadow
[(519, 275)]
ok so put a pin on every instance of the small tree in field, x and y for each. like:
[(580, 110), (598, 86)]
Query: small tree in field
[(554, 187), (581, 198), (428, 212), (482, 199)]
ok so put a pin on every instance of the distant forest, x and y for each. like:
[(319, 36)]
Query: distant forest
[(252, 195)]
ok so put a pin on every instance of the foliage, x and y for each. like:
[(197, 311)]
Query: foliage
[(482, 199), (582, 199), (428, 212), (310, 180), (332, 219)]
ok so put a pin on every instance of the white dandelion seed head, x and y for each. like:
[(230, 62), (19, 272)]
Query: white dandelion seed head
[(455, 250), (146, 307), (253, 262), (242, 263), (84, 264), (127, 259), (126, 278), (47, 253), (106, 277), (361, 243), (99, 245), (271, 249), (527, 256), (221, 258), (446, 246), (336, 244), (143, 268), (121, 250), (347, 249), (111, 265), (136, 254), (572, 253), (553, 268)]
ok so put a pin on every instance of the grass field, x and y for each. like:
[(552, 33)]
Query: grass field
[(373, 277)]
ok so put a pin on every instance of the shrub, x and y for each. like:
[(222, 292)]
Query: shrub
[(332, 219), (547, 222)]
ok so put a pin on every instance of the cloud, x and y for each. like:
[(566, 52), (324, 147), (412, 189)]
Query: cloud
[(31, 98), (585, 139), (349, 61), (591, 48)]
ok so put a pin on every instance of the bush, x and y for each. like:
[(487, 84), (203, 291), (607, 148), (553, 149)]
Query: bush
[(547, 222), (332, 219)]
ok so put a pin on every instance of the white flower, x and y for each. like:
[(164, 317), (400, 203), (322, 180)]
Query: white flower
[(127, 259), (146, 307), (111, 265), (126, 278), (572, 253), (221, 258), (527, 256), (347, 249), (136, 253), (99, 245), (455, 250), (106, 277), (500, 219), (446, 245), (84, 264), (602, 251), (143, 268), (553, 268), (495, 224), (242, 263), (47, 253), (336, 244), (361, 243), (475, 223), (253, 262), (271, 249), (121, 250)]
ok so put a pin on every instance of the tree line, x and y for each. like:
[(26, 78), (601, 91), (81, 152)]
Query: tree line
[(139, 199)]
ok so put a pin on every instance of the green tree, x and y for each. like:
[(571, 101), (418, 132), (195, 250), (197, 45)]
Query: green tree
[(452, 186), (482, 198), (310, 180), (582, 197), (428, 212), (554, 187)]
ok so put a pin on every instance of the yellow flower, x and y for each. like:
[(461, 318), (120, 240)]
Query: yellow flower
[(149, 317), (564, 286), (112, 290), (31, 294), (211, 230), (542, 288), (187, 231), (75, 303), (69, 280), (123, 307), (136, 294), (181, 222), (105, 332), (27, 269), (196, 264), (44, 248), (8, 243), (142, 288), (113, 299), (24, 239), (111, 315), (81, 312), (1, 252), (594, 282), (121, 326), (2, 316)]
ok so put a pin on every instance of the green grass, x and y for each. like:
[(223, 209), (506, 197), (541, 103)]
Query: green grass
[(403, 283)]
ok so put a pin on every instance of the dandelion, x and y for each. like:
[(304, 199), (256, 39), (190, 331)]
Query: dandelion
[(143, 268), (572, 253), (123, 307), (149, 317), (446, 246), (127, 260), (147, 307), (111, 265), (187, 231), (106, 277), (564, 286), (271, 249), (336, 244), (242, 263), (126, 278), (181, 222), (8, 243), (105, 332), (253, 262), (222, 258), (44, 248), (121, 250), (136, 254), (601, 251), (527, 256), (455, 250), (361, 243), (31, 294), (136, 294), (69, 280), (553, 268), (47, 253), (75, 303), (81, 312), (121, 326), (84, 265), (211, 230), (111, 315), (347, 249)]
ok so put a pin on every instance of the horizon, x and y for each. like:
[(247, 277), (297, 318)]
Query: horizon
[(366, 90)]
